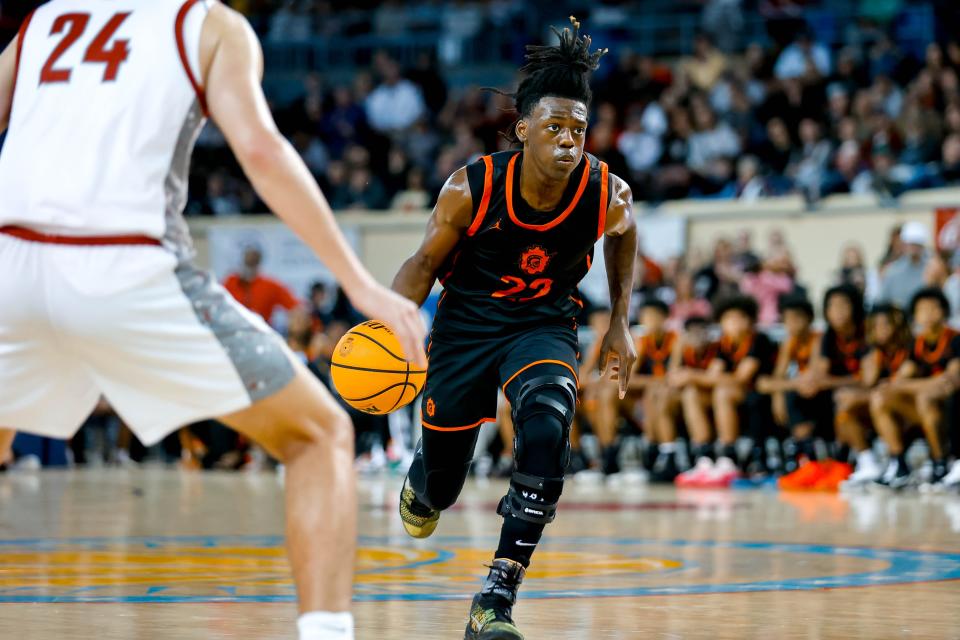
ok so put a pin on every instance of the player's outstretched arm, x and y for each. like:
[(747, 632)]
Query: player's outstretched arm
[(620, 252), (450, 220), (8, 68), (233, 64)]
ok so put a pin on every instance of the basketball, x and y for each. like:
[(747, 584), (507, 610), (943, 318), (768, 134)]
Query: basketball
[(370, 373)]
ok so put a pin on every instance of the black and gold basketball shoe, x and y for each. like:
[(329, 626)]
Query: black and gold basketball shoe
[(492, 608), (419, 520)]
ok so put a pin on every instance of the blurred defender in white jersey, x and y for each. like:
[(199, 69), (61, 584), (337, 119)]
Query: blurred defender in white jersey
[(104, 100)]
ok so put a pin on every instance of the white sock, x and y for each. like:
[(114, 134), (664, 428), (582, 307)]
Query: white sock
[(323, 625)]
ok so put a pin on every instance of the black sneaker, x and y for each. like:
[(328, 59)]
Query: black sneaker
[(492, 609), (611, 460), (665, 468), (419, 520), (896, 476)]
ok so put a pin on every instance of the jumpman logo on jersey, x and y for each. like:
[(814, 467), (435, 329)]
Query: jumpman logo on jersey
[(496, 226)]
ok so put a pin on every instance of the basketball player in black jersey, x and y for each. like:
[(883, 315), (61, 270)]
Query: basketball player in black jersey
[(511, 236)]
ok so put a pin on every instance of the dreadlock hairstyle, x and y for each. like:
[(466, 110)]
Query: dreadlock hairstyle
[(562, 70)]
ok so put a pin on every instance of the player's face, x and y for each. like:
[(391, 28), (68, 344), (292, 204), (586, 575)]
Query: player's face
[(652, 319), (795, 322), (928, 315), (839, 312), (554, 134), (735, 324)]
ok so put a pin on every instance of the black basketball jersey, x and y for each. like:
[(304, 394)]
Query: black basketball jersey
[(933, 359), (517, 266), (844, 355)]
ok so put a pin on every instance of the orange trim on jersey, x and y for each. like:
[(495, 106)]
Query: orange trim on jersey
[(22, 233), (563, 216), (533, 364), (182, 50), (485, 200), (21, 35), (602, 224), (736, 352), (647, 349), (702, 360), (933, 357), (463, 428), (802, 354), (891, 362)]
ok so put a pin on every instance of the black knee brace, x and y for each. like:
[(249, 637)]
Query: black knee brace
[(543, 412), (553, 395)]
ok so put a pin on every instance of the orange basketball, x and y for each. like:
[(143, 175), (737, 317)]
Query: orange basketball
[(370, 373)]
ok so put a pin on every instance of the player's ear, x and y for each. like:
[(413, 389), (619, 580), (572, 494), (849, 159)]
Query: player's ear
[(521, 130)]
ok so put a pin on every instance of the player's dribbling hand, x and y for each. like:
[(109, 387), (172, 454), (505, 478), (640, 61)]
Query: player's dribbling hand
[(398, 313), (618, 342)]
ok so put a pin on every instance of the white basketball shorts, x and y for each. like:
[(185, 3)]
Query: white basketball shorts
[(162, 341)]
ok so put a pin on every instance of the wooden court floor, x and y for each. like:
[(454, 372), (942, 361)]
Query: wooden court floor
[(150, 554)]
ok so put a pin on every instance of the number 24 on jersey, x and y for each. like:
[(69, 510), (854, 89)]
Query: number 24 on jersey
[(75, 24)]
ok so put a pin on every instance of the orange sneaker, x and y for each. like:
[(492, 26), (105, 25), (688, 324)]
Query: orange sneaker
[(805, 477), (839, 471)]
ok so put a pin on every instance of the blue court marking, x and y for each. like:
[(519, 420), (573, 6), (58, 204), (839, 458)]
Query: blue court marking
[(904, 566)]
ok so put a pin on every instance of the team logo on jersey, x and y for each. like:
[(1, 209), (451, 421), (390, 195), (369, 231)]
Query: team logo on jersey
[(431, 407), (534, 260)]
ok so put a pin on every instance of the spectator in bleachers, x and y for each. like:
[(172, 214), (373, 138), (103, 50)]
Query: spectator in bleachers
[(396, 103), (854, 271), (687, 303), (766, 282), (950, 169), (905, 276), (776, 148), (809, 163), (712, 147), (639, 148), (414, 195), (602, 143), (261, 294), (750, 186), (219, 200), (704, 68), (804, 58), (364, 191)]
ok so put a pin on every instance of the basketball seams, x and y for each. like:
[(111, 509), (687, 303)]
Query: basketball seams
[(368, 369), (383, 391), (379, 344), (406, 382)]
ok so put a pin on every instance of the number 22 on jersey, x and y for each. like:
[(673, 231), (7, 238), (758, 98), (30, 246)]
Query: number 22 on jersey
[(75, 24)]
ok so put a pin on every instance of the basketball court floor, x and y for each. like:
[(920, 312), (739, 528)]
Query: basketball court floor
[(150, 554)]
